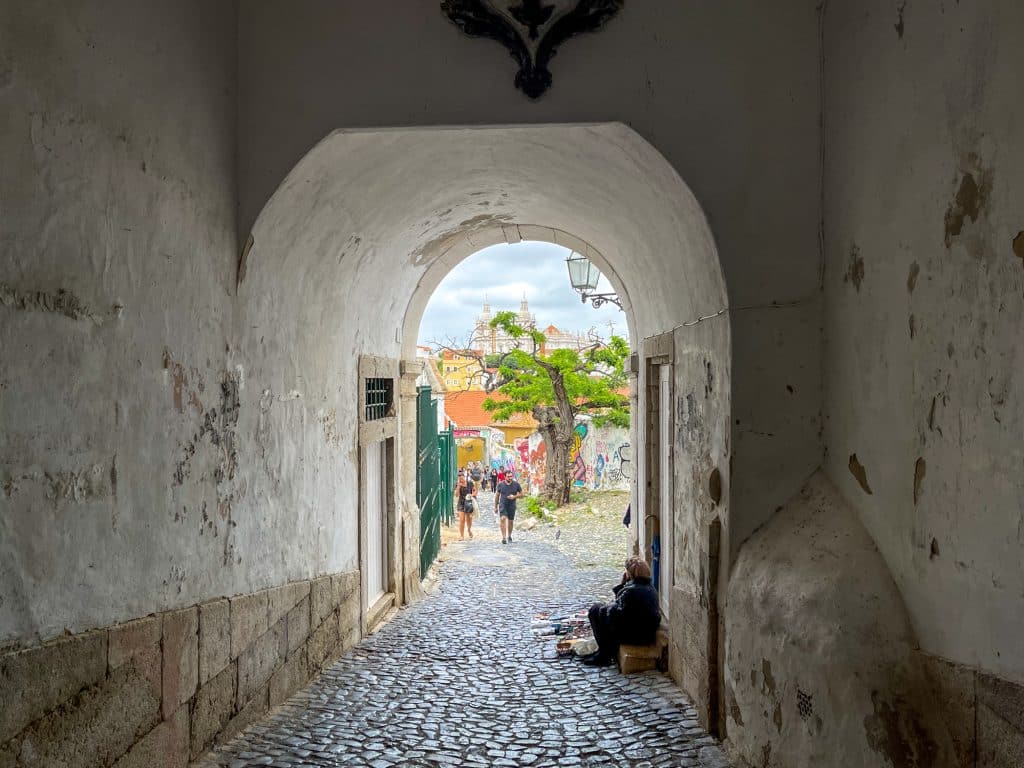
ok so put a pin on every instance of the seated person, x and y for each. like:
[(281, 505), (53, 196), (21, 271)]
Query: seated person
[(632, 618)]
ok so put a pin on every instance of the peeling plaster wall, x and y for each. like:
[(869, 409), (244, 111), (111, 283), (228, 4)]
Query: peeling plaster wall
[(821, 668), (700, 490), (925, 307), (727, 92), (118, 402)]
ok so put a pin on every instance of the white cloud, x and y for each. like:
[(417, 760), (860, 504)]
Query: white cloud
[(503, 274)]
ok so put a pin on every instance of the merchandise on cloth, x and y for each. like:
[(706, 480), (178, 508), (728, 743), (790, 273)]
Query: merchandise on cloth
[(567, 629), (545, 625)]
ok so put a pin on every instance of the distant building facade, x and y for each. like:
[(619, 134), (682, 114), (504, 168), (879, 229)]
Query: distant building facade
[(556, 338), (494, 341), (462, 370)]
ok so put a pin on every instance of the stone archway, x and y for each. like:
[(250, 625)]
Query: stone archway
[(345, 254)]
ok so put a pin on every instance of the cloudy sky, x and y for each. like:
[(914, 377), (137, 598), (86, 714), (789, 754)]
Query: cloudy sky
[(503, 273)]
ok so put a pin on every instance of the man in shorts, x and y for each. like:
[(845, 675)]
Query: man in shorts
[(505, 496)]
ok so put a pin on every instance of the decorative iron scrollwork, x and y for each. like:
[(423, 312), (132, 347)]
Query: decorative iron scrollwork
[(530, 13), (479, 18)]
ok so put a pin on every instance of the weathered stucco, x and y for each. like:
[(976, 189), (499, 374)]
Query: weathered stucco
[(821, 653), (702, 503), (924, 309), (117, 243)]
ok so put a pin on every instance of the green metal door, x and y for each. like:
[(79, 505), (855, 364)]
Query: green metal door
[(435, 477), (446, 454)]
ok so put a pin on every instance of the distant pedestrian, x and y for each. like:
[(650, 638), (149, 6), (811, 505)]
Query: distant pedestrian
[(465, 493), (475, 473), (505, 496), (494, 479)]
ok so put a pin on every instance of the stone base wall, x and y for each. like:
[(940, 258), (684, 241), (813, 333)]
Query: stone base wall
[(159, 691), (688, 658), (984, 714)]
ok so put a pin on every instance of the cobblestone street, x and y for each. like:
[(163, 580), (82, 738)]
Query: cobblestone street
[(459, 679), (590, 531)]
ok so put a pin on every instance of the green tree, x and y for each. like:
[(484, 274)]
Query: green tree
[(554, 388)]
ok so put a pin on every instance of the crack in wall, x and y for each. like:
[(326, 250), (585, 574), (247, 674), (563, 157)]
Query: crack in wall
[(855, 272)]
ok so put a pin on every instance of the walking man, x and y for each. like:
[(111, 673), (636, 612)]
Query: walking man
[(505, 496)]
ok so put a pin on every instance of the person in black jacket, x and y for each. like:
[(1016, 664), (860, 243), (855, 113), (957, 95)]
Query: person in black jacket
[(632, 618)]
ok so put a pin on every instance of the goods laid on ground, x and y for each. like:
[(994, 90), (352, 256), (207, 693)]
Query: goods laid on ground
[(571, 630)]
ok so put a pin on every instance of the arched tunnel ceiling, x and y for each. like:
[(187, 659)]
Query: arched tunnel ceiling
[(368, 222)]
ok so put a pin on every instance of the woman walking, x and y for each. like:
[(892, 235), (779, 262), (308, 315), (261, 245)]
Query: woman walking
[(465, 493)]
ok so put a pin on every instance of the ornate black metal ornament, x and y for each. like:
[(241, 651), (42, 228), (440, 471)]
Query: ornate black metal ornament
[(480, 18)]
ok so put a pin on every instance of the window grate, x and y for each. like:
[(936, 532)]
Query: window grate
[(380, 396)]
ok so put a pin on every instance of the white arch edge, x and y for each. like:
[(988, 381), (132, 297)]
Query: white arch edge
[(470, 242)]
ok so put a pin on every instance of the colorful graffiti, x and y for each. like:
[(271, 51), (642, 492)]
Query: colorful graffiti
[(625, 456), (539, 465), (599, 458), (503, 458), (605, 458), (577, 464), (522, 446)]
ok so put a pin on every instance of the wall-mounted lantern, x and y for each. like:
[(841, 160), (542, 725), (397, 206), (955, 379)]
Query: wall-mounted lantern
[(584, 276)]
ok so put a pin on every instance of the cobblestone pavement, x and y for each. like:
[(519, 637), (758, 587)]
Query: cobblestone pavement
[(459, 679), (590, 532)]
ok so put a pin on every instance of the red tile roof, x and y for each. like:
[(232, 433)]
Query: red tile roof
[(466, 409), (464, 354)]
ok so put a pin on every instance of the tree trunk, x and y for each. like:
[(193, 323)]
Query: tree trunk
[(556, 423), (557, 442)]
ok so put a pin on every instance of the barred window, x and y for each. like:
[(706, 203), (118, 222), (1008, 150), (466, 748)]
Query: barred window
[(380, 398)]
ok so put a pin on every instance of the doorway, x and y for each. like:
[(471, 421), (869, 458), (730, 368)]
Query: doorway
[(375, 515), (657, 532), (379, 541)]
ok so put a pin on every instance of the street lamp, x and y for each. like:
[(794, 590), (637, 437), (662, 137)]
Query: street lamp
[(584, 276)]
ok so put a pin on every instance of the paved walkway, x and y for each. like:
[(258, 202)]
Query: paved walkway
[(459, 679)]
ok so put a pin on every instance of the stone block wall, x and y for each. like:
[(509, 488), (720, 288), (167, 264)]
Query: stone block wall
[(159, 691), (984, 713), (688, 658)]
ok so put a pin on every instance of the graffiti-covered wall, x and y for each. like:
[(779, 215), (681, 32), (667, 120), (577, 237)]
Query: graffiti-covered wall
[(599, 458)]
